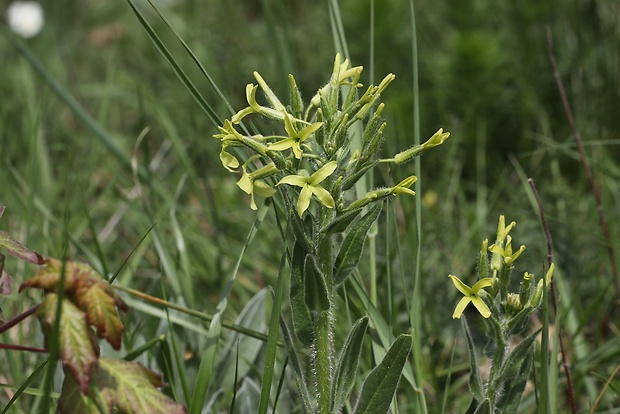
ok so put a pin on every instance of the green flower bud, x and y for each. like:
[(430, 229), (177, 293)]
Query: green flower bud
[(526, 289), (437, 139)]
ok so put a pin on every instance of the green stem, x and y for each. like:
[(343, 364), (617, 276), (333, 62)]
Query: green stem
[(323, 348), (323, 360), (496, 365)]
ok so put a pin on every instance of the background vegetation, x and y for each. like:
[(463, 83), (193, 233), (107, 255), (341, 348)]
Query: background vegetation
[(484, 75)]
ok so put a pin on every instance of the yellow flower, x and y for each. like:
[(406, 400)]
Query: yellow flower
[(296, 138), (310, 185), (251, 183), (471, 295)]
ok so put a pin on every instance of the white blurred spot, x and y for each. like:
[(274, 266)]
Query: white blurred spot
[(25, 18)]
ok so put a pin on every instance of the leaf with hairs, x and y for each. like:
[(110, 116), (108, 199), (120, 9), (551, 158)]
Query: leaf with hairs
[(380, 385), (315, 287), (475, 381), (346, 371), (302, 319), (353, 244)]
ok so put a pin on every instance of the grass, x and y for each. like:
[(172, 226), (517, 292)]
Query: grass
[(120, 165)]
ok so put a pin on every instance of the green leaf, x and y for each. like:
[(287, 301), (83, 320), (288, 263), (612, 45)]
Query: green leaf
[(315, 287), (380, 385), (242, 350), (484, 408), (271, 349), (475, 381), (514, 373), (510, 398), (346, 371), (302, 319), (351, 250), (303, 231), (77, 348), (128, 387), (341, 222), (72, 400)]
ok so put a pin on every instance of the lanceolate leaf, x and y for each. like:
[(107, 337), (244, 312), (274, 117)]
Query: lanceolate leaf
[(514, 374), (346, 371), (302, 319), (315, 287), (351, 250), (475, 381), (380, 385), (77, 349)]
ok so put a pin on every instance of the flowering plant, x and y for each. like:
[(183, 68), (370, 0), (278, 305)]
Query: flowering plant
[(314, 161)]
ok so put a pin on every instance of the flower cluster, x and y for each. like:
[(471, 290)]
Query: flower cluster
[(318, 152), (501, 266)]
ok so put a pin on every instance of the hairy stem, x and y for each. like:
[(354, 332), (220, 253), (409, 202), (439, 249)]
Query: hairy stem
[(323, 360)]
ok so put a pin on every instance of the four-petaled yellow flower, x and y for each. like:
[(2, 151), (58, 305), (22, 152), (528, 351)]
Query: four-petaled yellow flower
[(506, 253), (471, 295), (310, 185), (296, 138), (251, 183)]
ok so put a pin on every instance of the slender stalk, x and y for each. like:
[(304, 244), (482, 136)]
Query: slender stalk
[(323, 360), (323, 348), (596, 192), (416, 301), (569, 382)]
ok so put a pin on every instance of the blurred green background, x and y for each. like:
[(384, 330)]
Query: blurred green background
[(484, 75)]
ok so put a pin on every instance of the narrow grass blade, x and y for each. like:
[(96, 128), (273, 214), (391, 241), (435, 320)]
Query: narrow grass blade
[(194, 58), (380, 385), (272, 342), (299, 376), (204, 105), (21, 389), (136, 352), (417, 299)]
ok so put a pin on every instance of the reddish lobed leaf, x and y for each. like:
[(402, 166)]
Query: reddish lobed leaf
[(101, 311), (77, 348), (131, 388), (72, 400), (126, 387), (14, 248), (48, 276)]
